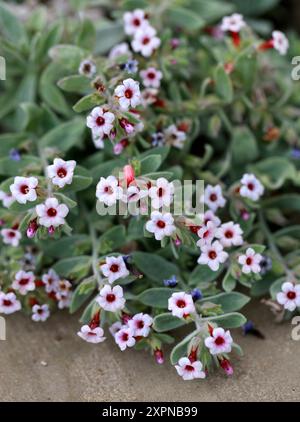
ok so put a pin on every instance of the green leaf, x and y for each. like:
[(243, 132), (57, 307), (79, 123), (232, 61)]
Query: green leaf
[(286, 202), (276, 287), (81, 180), (67, 246), (112, 239), (74, 268), (254, 7), (75, 83), (11, 26), (68, 56), (26, 165), (65, 136), (156, 297), (274, 171), (202, 275), (154, 267), (105, 169), (82, 292), (88, 102), (229, 282), (223, 84), (166, 322), (150, 164), (184, 18), (180, 349), (89, 312), (108, 34), (229, 302), (232, 320), (243, 147)]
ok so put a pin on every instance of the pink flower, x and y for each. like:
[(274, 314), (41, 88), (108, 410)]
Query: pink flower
[(108, 190), (125, 337), (128, 94), (91, 335), (181, 304), (162, 193), (133, 21), (250, 261), (51, 213), (140, 324), (11, 237), (24, 282), (212, 255), (114, 268), (219, 341), (111, 298), (61, 172), (206, 234), (145, 41), (100, 121), (9, 303), (151, 77), (161, 225), (40, 313), (289, 297), (233, 23), (230, 234), (213, 197), (24, 189), (189, 370)]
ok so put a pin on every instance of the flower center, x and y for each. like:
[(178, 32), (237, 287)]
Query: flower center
[(146, 40), (161, 224), (61, 172), (189, 368), (100, 121), (124, 337), (40, 311), (229, 234), (23, 281), (87, 68), (114, 268), (7, 302), (212, 255), (151, 75), (205, 234), (108, 189), (250, 186), (291, 295), (24, 189), (249, 261), (213, 197), (110, 297), (160, 192), (181, 303), (219, 341), (51, 212), (128, 93), (90, 333), (136, 22), (140, 324), (11, 234)]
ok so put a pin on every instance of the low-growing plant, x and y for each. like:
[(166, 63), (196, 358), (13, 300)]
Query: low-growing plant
[(103, 123)]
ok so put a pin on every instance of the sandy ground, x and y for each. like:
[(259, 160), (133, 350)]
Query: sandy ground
[(77, 371)]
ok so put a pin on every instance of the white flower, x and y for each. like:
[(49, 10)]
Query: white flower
[(98, 140), (206, 234), (24, 282), (125, 337), (213, 197), (133, 21), (128, 94), (161, 225), (290, 296), (87, 68), (91, 335), (11, 237), (64, 294), (61, 172), (6, 199), (145, 41), (134, 194), (251, 187), (100, 121), (114, 268), (250, 261), (219, 342), (181, 304), (115, 327), (51, 281), (24, 189), (212, 255), (230, 234), (140, 324), (280, 42), (209, 216), (151, 77), (51, 213), (9, 303), (40, 313), (118, 50), (111, 298), (175, 137), (162, 193), (108, 191), (233, 23), (189, 370)]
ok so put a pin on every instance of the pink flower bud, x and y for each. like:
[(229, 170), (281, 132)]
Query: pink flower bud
[(118, 148), (126, 125), (177, 241), (128, 174), (159, 356), (226, 365), (125, 318), (51, 230), (175, 42), (32, 229)]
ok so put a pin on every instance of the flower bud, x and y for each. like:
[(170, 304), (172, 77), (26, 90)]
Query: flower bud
[(32, 229), (226, 365), (128, 174), (159, 356)]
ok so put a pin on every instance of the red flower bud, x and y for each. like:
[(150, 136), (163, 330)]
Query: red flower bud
[(159, 356)]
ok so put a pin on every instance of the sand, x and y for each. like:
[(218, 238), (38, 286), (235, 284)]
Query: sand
[(48, 362)]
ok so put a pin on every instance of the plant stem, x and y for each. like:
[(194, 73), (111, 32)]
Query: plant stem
[(45, 165), (273, 246)]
